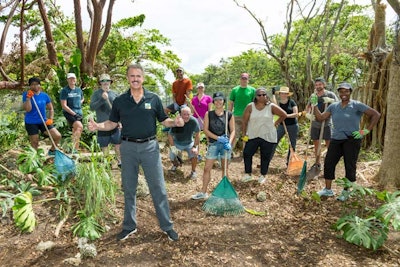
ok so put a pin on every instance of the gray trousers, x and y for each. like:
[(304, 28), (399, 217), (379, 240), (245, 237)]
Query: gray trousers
[(148, 156)]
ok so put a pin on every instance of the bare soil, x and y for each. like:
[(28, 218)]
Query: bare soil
[(295, 231)]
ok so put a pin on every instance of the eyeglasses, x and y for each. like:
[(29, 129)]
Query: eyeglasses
[(244, 78), (262, 95), (102, 81)]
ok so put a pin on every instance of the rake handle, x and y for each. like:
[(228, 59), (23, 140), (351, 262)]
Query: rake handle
[(44, 123)]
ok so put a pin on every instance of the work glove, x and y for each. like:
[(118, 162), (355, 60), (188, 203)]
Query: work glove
[(245, 138), (29, 94), (227, 146), (328, 100), (174, 150), (223, 139), (314, 100), (310, 116), (78, 117), (176, 106), (360, 134), (49, 122)]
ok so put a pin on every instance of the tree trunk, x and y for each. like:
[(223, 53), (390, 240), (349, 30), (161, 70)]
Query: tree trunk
[(389, 175), (52, 54)]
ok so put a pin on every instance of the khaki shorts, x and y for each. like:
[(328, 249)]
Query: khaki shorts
[(238, 126)]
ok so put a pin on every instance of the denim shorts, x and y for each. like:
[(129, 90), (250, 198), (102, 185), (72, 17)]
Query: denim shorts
[(216, 150), (114, 138)]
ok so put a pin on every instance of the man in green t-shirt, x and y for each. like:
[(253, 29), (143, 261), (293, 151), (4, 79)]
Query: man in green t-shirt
[(239, 97)]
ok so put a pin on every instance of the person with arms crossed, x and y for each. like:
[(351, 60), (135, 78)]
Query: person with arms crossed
[(181, 139), (181, 89), (346, 136), (239, 98), (260, 129), (34, 118), (138, 110), (101, 102), (71, 98), (219, 141)]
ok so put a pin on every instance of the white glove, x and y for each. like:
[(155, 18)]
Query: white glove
[(310, 116), (328, 100), (174, 150)]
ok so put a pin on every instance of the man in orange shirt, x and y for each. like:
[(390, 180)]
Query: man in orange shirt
[(181, 89)]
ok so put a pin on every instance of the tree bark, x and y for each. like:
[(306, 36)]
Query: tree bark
[(52, 54), (389, 175)]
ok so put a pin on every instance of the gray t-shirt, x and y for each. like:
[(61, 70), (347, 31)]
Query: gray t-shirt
[(101, 105), (183, 136)]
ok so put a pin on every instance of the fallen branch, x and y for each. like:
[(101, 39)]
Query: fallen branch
[(61, 223)]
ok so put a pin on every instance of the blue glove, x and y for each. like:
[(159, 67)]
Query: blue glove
[(176, 106), (223, 139), (227, 146), (314, 100), (360, 134)]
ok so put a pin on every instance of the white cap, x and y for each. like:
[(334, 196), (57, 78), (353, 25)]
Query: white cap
[(71, 75)]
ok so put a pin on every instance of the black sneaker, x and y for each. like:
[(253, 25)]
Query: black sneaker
[(172, 235), (124, 234)]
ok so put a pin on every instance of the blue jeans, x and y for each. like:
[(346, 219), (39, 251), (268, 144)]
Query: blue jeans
[(293, 131), (148, 156), (265, 150)]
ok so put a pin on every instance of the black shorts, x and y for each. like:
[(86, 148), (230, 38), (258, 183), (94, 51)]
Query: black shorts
[(316, 131), (33, 129), (70, 118)]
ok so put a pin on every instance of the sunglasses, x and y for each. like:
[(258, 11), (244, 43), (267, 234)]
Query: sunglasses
[(102, 81), (244, 78), (262, 95)]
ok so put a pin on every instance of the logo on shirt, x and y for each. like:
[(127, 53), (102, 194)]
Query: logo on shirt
[(147, 105)]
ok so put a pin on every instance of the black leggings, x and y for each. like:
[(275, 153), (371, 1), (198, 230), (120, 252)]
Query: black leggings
[(349, 149)]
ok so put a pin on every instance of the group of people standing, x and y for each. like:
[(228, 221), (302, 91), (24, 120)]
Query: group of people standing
[(130, 122)]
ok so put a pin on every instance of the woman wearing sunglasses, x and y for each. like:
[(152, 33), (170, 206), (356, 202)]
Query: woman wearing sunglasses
[(260, 129)]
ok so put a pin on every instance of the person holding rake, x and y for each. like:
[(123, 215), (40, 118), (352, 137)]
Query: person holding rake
[(220, 139)]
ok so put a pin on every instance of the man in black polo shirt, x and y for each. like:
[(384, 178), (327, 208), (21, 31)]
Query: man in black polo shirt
[(138, 111)]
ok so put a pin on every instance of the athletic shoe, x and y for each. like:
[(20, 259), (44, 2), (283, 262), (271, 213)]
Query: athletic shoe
[(172, 235), (200, 195), (326, 193), (193, 175), (262, 179), (344, 195), (51, 153), (246, 178), (124, 234)]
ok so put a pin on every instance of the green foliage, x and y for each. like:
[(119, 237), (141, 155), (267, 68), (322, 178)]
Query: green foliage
[(11, 126), (6, 202), (365, 222), (370, 232), (34, 161), (95, 192)]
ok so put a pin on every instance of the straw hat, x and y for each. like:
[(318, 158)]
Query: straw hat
[(284, 90)]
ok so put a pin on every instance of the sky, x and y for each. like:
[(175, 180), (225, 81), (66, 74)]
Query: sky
[(204, 31)]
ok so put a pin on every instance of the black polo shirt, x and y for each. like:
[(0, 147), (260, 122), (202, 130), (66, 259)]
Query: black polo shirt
[(139, 120)]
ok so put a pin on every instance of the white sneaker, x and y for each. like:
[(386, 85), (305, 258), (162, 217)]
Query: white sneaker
[(246, 178), (200, 195), (262, 179), (326, 193), (193, 175)]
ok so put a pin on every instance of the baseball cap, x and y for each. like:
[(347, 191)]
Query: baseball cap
[(200, 85), (320, 79), (345, 85), (218, 96), (179, 68), (71, 75), (105, 78), (33, 79)]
